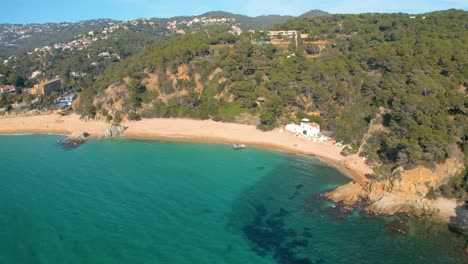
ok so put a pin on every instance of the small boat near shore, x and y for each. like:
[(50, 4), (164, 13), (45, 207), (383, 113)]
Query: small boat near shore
[(239, 146)]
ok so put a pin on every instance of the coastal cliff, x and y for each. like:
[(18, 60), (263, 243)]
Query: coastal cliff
[(407, 191)]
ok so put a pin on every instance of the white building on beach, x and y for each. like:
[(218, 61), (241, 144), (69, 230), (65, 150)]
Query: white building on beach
[(305, 128)]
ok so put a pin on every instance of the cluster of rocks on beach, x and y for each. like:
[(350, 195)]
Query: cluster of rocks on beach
[(79, 137)]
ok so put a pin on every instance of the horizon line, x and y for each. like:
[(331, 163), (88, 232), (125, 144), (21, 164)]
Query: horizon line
[(124, 20)]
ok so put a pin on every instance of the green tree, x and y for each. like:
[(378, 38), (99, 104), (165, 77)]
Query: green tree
[(311, 49), (270, 112)]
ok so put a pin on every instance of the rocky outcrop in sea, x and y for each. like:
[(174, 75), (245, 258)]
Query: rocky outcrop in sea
[(74, 140)]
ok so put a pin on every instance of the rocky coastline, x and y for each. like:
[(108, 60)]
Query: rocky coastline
[(79, 137), (408, 192)]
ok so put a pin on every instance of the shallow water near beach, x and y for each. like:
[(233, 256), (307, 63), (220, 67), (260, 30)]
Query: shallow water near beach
[(127, 201)]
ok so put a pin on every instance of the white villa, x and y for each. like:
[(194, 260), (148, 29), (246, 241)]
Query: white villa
[(305, 128)]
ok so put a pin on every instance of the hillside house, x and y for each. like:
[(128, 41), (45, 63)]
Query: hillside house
[(104, 54), (67, 100), (7, 89), (35, 74), (282, 33), (305, 128)]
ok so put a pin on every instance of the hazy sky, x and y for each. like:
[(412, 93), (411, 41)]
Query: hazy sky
[(29, 11)]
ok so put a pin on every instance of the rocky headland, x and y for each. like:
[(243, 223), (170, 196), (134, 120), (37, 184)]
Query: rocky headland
[(411, 192)]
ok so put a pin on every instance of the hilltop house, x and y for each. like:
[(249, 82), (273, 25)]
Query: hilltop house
[(306, 128)]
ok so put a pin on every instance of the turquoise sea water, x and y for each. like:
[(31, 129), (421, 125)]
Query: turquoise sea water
[(129, 201)]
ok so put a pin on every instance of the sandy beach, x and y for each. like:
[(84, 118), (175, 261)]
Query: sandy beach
[(208, 131), (193, 131)]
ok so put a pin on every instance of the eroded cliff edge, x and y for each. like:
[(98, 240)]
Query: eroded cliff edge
[(407, 191)]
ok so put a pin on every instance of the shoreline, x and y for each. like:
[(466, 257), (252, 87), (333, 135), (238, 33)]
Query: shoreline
[(189, 130), (226, 141), (204, 131)]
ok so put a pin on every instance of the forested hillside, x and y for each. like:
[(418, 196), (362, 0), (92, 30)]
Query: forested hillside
[(393, 85), (15, 38), (75, 50), (91, 60)]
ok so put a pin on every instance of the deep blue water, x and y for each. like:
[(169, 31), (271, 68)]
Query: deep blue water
[(125, 201)]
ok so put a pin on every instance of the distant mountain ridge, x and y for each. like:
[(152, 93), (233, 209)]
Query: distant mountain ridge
[(315, 12)]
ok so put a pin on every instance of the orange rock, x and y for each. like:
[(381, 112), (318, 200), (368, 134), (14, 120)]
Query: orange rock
[(405, 191)]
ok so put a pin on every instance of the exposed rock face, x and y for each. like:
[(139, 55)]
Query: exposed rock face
[(78, 137), (113, 131), (349, 194), (405, 192)]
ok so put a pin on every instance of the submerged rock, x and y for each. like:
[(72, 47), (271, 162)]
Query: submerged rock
[(397, 228), (459, 223), (270, 235), (113, 131)]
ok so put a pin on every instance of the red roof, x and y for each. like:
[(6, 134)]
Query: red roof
[(7, 87), (315, 125)]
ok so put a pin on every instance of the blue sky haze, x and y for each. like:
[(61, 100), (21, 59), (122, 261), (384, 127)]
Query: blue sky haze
[(33, 11)]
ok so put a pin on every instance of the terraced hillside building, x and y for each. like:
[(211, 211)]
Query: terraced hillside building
[(45, 87)]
